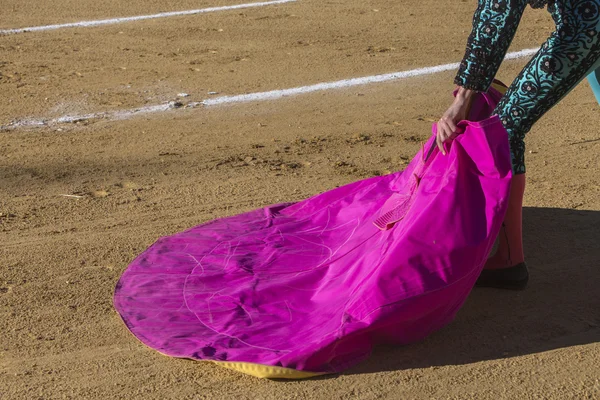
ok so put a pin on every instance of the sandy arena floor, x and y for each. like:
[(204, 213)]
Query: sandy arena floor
[(78, 201)]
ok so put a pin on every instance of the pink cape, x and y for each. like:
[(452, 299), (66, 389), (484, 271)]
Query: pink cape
[(314, 285)]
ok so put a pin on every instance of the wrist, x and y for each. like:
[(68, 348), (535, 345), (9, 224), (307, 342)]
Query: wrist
[(464, 95)]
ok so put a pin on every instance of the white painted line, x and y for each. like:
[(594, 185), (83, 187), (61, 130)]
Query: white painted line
[(87, 24), (260, 96), (276, 94), (107, 115), (521, 53)]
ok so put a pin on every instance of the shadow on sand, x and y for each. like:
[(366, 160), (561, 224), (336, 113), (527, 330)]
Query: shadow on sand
[(560, 307)]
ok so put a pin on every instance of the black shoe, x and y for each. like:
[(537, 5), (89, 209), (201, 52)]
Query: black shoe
[(514, 278)]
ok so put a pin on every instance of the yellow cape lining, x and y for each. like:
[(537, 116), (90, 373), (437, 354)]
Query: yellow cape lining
[(268, 371)]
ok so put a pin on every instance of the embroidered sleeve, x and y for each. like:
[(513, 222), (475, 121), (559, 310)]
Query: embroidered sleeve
[(539, 3), (494, 25)]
